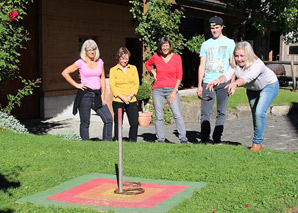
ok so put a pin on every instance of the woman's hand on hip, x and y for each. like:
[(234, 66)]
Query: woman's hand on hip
[(81, 86), (154, 74)]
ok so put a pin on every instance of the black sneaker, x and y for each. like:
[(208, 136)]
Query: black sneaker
[(218, 142), (206, 141)]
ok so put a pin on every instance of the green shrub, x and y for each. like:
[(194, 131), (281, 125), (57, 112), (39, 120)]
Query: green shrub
[(70, 135), (25, 91), (12, 36), (160, 18), (11, 123), (195, 43), (144, 93)]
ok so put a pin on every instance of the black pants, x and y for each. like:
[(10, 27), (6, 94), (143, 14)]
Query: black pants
[(86, 105), (131, 110)]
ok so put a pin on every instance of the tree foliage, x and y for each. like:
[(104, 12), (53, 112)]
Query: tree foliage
[(25, 91), (12, 36), (268, 14), (157, 20), (290, 17)]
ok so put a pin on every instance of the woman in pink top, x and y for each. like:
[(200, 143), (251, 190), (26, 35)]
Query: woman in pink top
[(91, 90), (168, 76)]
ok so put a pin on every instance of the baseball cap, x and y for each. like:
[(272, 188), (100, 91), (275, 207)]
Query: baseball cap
[(215, 20)]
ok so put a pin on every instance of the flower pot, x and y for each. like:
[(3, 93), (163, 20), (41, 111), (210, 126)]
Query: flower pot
[(145, 118)]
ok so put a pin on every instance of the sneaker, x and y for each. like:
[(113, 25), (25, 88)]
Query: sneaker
[(206, 141), (218, 142), (184, 142)]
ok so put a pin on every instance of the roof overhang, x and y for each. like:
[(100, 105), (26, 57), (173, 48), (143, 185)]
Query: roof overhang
[(213, 6)]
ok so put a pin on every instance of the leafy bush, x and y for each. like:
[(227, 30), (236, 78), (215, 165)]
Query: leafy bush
[(157, 21), (11, 123), (161, 19), (70, 135), (195, 43), (12, 35), (144, 92), (16, 99)]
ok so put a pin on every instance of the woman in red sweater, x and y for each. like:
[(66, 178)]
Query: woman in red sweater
[(168, 76)]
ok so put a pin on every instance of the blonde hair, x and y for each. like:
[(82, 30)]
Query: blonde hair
[(249, 54), (89, 43)]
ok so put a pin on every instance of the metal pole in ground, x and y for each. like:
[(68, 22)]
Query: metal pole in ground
[(120, 187), (134, 186)]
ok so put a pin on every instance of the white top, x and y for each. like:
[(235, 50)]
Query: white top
[(256, 77)]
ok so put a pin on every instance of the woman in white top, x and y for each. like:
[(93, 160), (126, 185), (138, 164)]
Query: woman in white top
[(261, 84)]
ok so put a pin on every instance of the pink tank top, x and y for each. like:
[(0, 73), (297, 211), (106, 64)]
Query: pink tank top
[(90, 77)]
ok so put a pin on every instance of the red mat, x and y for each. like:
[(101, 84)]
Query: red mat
[(100, 191), (97, 191)]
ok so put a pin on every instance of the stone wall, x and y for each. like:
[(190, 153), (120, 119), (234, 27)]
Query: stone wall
[(191, 111)]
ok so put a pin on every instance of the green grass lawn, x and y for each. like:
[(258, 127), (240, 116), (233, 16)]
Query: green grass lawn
[(285, 96), (238, 180)]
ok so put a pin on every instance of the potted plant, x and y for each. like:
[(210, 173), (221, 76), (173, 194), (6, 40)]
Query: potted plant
[(143, 97)]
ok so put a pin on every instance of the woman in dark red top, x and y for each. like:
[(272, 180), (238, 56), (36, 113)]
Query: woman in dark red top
[(168, 76)]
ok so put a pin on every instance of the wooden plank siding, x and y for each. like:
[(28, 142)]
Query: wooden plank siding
[(58, 24), (63, 21)]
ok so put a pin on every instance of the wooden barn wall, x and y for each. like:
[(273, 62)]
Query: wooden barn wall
[(64, 21)]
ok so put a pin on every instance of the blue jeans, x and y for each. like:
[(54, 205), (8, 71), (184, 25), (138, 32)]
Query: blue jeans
[(160, 95), (259, 102), (222, 98), (85, 107)]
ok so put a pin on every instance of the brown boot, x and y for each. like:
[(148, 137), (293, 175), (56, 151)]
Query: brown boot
[(256, 147)]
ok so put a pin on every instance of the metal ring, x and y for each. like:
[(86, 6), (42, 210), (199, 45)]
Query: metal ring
[(130, 191)]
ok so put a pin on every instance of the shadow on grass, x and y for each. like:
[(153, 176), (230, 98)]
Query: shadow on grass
[(6, 184), (149, 137), (193, 137), (40, 127), (6, 210), (232, 143), (95, 139)]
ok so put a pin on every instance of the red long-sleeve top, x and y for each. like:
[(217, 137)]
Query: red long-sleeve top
[(168, 73)]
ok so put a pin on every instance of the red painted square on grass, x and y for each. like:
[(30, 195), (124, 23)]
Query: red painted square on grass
[(100, 191)]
